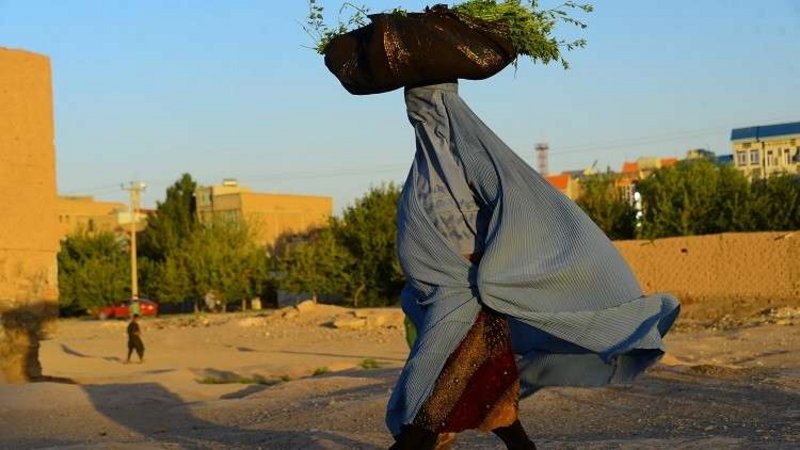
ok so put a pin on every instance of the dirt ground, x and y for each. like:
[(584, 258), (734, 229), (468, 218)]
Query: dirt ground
[(319, 378)]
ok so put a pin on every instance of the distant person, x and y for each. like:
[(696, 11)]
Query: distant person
[(211, 301), (136, 308), (135, 339)]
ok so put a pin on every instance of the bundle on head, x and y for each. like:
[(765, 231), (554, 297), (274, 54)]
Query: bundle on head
[(413, 49)]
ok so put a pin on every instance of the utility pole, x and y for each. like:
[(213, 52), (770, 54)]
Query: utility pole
[(135, 189)]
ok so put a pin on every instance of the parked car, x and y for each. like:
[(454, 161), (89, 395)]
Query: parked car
[(122, 310)]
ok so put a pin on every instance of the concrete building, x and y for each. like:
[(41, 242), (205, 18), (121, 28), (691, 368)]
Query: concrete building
[(566, 183), (271, 214), (766, 150), (28, 224), (85, 213), (633, 172)]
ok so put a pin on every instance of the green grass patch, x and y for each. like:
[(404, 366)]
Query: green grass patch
[(320, 371), (369, 364), (255, 379)]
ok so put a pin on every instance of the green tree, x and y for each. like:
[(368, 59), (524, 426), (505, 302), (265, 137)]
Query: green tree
[(680, 200), (222, 256), (354, 257), (315, 263), (603, 202), (174, 221), (776, 203), (93, 271), (163, 272), (733, 208), (368, 230)]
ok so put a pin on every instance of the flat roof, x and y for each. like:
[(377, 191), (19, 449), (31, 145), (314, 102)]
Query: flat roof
[(766, 131)]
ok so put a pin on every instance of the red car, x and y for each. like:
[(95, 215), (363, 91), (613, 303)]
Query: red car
[(122, 310)]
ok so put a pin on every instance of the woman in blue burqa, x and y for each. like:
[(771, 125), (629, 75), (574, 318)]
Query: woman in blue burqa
[(511, 287)]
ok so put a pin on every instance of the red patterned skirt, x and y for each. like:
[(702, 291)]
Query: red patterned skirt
[(479, 385)]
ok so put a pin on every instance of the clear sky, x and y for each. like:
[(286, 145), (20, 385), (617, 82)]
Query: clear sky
[(147, 90)]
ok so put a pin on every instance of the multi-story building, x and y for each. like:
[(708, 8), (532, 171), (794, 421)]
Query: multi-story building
[(765, 150), (272, 215), (633, 172), (77, 213)]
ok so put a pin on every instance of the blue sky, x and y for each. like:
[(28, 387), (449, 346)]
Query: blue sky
[(147, 90)]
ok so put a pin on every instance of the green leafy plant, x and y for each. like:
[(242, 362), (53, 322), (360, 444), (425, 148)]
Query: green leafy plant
[(369, 364), (323, 34), (529, 28), (320, 371)]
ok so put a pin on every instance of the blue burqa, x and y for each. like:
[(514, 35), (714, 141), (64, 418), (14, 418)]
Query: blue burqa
[(577, 314)]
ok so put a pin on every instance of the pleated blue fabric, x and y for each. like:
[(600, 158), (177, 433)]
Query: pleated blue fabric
[(577, 314)]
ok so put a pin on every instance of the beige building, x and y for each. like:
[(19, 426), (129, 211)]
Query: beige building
[(633, 172), (766, 150), (28, 223), (85, 213), (271, 214)]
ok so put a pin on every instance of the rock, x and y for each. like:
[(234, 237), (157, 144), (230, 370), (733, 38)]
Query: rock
[(290, 314), (376, 320), (251, 322), (347, 323), (306, 306)]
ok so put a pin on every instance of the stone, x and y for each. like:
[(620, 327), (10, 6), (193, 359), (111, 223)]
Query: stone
[(350, 323)]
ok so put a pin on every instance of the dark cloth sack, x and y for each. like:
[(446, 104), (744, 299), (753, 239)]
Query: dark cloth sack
[(415, 49)]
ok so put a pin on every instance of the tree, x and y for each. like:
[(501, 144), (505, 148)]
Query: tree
[(222, 256), (368, 230), (163, 274), (355, 256), (93, 271), (173, 222), (604, 204), (680, 200), (776, 203), (315, 263)]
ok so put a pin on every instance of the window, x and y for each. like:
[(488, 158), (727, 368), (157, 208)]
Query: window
[(754, 158), (768, 160), (741, 158)]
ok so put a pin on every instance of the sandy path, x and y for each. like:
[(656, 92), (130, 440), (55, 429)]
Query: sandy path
[(734, 389)]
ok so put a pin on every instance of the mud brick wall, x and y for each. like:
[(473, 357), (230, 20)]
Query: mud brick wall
[(722, 273), (28, 228)]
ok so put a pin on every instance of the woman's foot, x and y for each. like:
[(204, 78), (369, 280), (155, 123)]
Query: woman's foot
[(515, 437), (415, 438)]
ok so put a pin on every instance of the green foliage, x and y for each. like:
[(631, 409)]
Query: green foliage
[(529, 28), (314, 262), (680, 200), (323, 34), (354, 257), (320, 371), (370, 364), (698, 197), (174, 221), (368, 230), (93, 271), (603, 202), (776, 203), (221, 256)]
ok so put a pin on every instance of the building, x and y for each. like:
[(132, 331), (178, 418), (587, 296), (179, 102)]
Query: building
[(633, 172), (28, 223), (566, 183), (272, 215), (766, 150), (76, 213)]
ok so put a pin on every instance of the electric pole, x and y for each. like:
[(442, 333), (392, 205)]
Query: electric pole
[(135, 189)]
